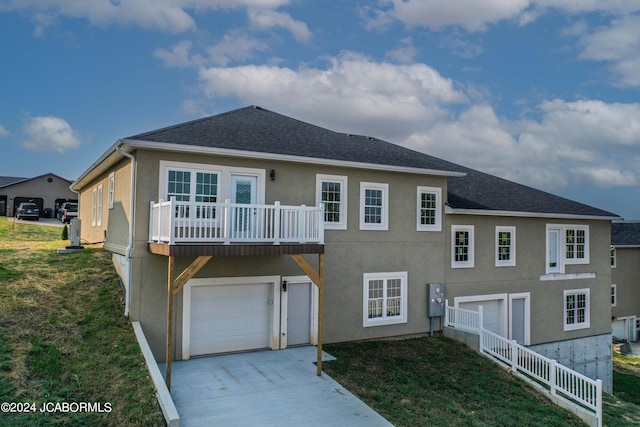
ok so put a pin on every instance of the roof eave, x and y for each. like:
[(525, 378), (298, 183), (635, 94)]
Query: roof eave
[(104, 162), (488, 212), (162, 146)]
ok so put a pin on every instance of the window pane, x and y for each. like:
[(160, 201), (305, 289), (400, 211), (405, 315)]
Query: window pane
[(461, 246), (331, 199), (373, 206), (428, 208)]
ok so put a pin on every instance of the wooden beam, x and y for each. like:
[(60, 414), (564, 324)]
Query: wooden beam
[(169, 346), (306, 267), (320, 311), (189, 272), (318, 279)]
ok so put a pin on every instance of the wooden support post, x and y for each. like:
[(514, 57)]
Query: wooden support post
[(317, 278), (173, 287), (169, 347), (320, 311)]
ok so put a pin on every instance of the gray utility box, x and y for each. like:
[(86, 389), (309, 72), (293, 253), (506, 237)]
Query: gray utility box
[(436, 299)]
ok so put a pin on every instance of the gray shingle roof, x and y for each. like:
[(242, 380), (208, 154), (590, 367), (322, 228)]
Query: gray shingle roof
[(259, 130), (8, 180), (625, 233)]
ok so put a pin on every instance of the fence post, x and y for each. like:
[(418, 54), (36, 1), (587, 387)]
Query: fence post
[(151, 220), (552, 376), (599, 402), (513, 344), (446, 312), (302, 224), (172, 217), (227, 222), (277, 233), (480, 329), (321, 224)]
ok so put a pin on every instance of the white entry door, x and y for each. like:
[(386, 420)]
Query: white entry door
[(244, 191), (299, 308)]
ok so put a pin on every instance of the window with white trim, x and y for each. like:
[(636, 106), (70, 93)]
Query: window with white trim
[(192, 185), (374, 206), (505, 246), (566, 244), (614, 296), (99, 206), (428, 209), (331, 190), (94, 207), (384, 298), (112, 189), (576, 309), (462, 246), (613, 257)]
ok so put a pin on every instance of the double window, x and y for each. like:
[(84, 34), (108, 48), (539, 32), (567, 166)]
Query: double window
[(576, 309), (428, 209), (462, 246), (331, 190), (566, 244), (374, 206), (385, 298), (96, 206)]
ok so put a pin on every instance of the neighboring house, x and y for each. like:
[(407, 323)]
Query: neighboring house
[(625, 279), (48, 191), (248, 187)]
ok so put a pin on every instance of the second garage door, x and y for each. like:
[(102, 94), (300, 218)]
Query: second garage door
[(491, 310), (226, 318)]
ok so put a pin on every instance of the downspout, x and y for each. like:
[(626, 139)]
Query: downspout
[(131, 223)]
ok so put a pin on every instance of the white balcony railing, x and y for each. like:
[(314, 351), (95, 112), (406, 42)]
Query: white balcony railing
[(173, 222)]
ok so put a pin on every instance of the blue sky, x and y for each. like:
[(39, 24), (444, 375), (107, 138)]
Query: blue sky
[(542, 92)]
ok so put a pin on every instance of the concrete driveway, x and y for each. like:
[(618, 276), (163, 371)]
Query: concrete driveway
[(266, 388)]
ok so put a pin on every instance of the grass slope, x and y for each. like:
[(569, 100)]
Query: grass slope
[(63, 334), (438, 381)]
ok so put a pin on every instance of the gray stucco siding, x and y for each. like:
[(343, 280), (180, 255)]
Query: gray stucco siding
[(626, 277)]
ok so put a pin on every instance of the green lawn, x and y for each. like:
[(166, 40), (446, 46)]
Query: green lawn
[(64, 339), (438, 381)]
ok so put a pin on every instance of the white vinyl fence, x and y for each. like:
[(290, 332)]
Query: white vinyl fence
[(580, 392)]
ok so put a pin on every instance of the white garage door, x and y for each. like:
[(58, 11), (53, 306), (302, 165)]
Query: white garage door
[(228, 318), (491, 310), (619, 329)]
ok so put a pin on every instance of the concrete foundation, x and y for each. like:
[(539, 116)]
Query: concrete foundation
[(590, 356)]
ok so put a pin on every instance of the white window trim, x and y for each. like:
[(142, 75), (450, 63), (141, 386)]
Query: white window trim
[(471, 261), (614, 295), (384, 224), (94, 206), (587, 314), (225, 172), (366, 322), (614, 257), (438, 220), (512, 261), (562, 247), (112, 189), (99, 206), (320, 178)]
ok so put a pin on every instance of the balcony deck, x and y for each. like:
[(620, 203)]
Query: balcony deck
[(178, 228)]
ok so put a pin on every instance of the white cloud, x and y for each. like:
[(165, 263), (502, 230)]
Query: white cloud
[(268, 19), (3, 131), (469, 14), (473, 15), (178, 56), (164, 15), (618, 43), (50, 134), (235, 46), (352, 94), (404, 53)]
